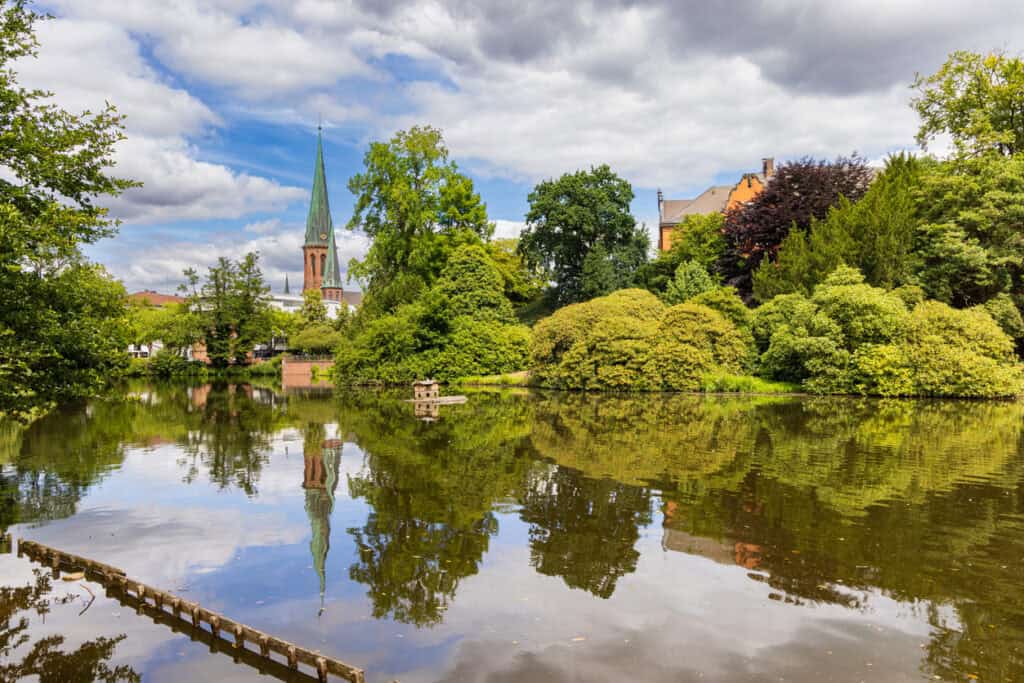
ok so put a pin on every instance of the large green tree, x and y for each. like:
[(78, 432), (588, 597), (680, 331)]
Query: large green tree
[(571, 216), (62, 319), (978, 100), (417, 208), (232, 308)]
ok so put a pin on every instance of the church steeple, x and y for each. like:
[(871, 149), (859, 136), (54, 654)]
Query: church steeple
[(318, 223), (319, 227), (286, 289)]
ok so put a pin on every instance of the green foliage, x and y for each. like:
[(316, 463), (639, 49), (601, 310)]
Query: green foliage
[(697, 238), (167, 364), (316, 339), (522, 283), (313, 311), (875, 235), (598, 275), (232, 309), (943, 352), (417, 208), (570, 216), (727, 301), (691, 279), (854, 338), (725, 383), (969, 241), (692, 341), (975, 99), (463, 325), (864, 314), (1006, 314), (176, 326), (62, 320), (554, 336)]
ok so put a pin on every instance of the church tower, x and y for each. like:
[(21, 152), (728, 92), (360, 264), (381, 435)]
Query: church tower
[(319, 227)]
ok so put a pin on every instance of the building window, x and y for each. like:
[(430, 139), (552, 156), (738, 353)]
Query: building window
[(312, 264), (323, 263)]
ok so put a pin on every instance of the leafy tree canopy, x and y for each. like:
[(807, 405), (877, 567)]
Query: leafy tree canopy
[(232, 308), (570, 216), (417, 208), (978, 100), (62, 320)]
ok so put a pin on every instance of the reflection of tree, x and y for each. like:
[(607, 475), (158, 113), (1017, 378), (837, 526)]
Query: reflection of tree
[(45, 660), (232, 439), (432, 488), (584, 530), (923, 501)]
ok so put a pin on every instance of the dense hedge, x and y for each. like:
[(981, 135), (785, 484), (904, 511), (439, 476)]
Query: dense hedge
[(630, 341), (461, 326)]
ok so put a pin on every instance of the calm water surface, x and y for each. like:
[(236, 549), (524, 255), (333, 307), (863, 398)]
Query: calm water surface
[(526, 537)]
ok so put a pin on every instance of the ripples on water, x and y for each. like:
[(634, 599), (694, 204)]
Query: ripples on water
[(541, 537)]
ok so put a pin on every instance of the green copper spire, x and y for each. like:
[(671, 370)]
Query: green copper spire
[(332, 277), (318, 223)]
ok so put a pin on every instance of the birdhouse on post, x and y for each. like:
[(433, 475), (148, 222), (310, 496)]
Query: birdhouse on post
[(426, 390)]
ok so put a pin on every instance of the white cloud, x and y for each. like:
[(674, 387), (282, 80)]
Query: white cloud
[(85, 63), (176, 185)]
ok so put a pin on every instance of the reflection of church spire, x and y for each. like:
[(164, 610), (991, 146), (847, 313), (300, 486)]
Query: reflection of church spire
[(321, 459)]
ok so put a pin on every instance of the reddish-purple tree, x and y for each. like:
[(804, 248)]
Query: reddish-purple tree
[(799, 190)]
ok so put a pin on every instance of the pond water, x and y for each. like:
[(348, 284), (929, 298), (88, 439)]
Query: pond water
[(526, 536)]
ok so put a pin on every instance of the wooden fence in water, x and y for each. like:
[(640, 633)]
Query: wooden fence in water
[(183, 615)]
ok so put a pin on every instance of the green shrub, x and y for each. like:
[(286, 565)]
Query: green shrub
[(168, 364), (785, 309), (268, 368), (727, 301), (865, 314), (463, 325), (555, 335), (691, 279), (943, 352), (726, 383), (1006, 314), (316, 339), (610, 355), (137, 367), (853, 338), (910, 295), (693, 340)]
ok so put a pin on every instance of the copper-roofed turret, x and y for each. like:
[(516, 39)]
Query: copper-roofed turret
[(331, 286)]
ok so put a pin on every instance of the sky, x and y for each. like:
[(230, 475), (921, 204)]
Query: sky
[(222, 100)]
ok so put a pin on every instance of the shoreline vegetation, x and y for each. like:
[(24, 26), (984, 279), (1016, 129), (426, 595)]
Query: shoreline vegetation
[(836, 278)]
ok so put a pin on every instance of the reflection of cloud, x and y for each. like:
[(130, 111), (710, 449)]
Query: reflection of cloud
[(836, 651), (162, 544)]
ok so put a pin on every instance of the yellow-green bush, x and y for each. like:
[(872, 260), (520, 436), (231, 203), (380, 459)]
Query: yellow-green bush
[(569, 326), (942, 352), (693, 340), (628, 341)]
